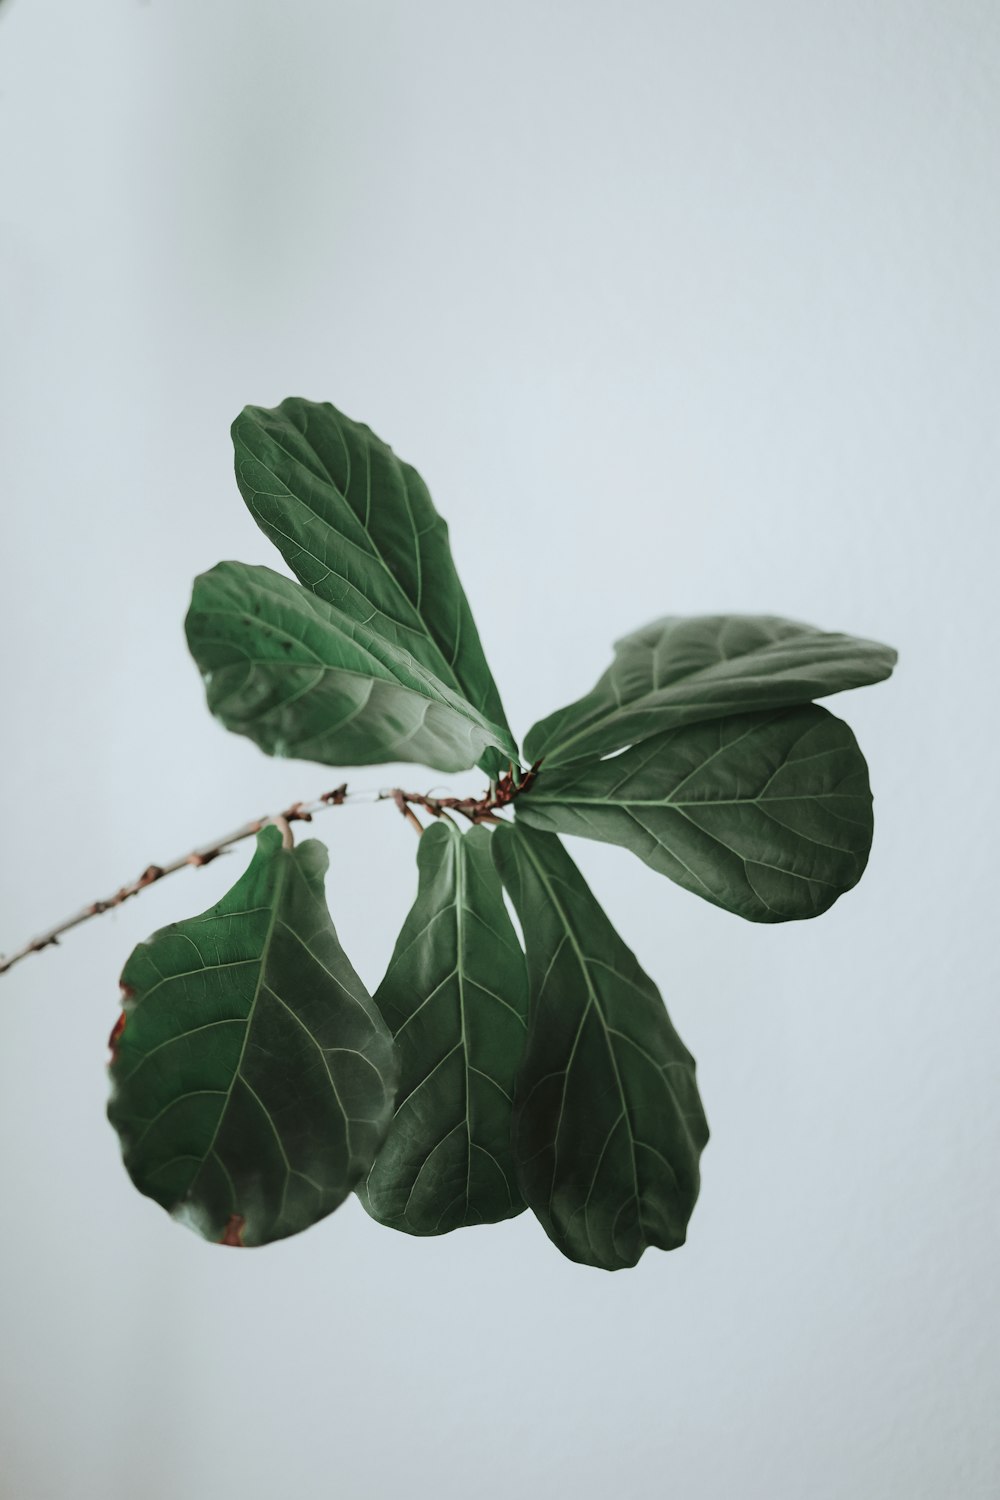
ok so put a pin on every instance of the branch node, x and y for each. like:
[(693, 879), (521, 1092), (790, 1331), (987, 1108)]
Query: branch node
[(200, 857), (281, 821)]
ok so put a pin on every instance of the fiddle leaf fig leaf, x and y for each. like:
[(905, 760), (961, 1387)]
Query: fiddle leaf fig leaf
[(608, 1125), (456, 1000), (684, 671), (252, 1079), (766, 815), (358, 527), (301, 679)]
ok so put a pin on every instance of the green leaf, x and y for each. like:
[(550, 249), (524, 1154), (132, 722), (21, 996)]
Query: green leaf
[(253, 1079), (608, 1125), (683, 671), (766, 815), (300, 679), (456, 1000), (357, 526)]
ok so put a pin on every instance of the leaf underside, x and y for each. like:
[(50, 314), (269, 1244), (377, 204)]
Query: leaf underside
[(608, 1125), (686, 670), (358, 528), (253, 1078), (455, 999), (300, 679), (768, 815)]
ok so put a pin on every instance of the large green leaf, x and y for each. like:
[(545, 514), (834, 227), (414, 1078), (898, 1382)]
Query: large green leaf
[(301, 679), (767, 815), (682, 671), (253, 1078), (608, 1125), (357, 526), (456, 1000)]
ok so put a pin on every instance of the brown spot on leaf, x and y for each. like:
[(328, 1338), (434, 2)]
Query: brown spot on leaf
[(115, 1036), (233, 1233)]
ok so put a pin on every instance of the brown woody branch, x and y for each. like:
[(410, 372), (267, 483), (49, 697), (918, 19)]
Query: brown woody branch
[(476, 809), (299, 812)]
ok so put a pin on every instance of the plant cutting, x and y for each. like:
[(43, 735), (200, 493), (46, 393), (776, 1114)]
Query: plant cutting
[(254, 1081)]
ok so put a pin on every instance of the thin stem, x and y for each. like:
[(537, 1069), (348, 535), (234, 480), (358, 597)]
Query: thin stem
[(299, 812), (476, 809)]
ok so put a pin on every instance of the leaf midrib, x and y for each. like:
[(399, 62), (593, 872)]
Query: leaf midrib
[(458, 855), (337, 631), (573, 800), (594, 725), (593, 1000), (458, 973), (279, 886), (462, 707), (376, 551)]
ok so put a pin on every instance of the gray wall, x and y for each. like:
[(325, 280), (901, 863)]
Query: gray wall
[(678, 307)]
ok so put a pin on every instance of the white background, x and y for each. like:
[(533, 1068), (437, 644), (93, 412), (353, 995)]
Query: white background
[(678, 307)]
